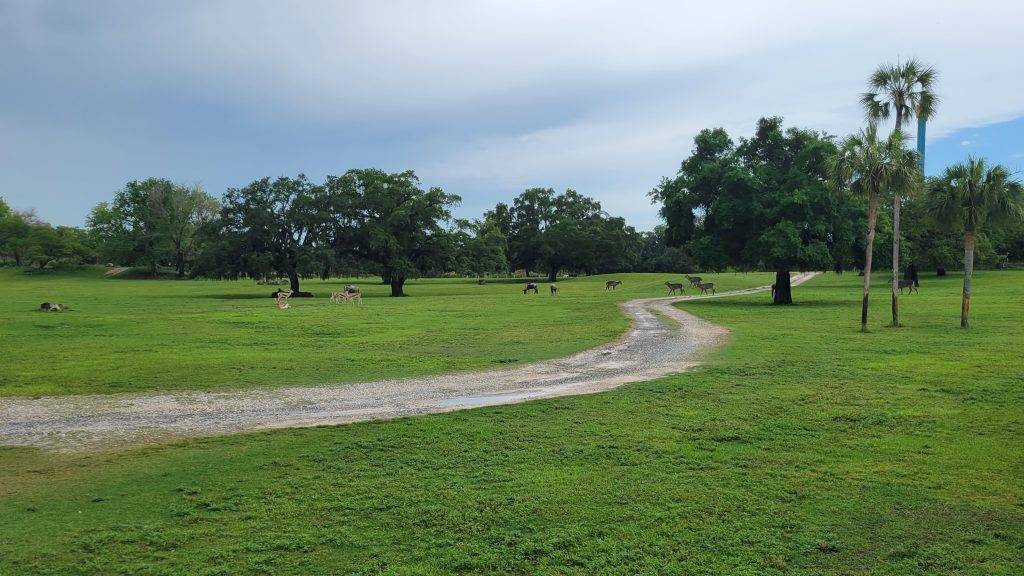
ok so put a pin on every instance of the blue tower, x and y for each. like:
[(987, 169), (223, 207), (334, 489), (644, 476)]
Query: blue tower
[(920, 140)]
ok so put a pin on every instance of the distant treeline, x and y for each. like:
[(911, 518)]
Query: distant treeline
[(764, 203), (365, 222)]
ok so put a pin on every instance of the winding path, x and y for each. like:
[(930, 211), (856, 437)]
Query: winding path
[(663, 340)]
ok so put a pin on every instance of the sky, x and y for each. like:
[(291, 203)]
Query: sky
[(482, 98)]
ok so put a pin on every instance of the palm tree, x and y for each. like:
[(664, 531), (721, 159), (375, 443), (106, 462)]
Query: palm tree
[(869, 166), (904, 90), (969, 195)]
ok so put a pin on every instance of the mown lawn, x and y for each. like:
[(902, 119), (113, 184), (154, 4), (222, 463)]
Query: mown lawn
[(804, 447), (132, 335)]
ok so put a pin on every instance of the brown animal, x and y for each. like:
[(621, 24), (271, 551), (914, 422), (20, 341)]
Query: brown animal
[(674, 286), (281, 301), (693, 280), (612, 284), (705, 286), (356, 297), (554, 289), (909, 285), (530, 286)]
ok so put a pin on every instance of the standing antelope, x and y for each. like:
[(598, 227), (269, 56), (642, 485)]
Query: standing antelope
[(554, 290), (612, 284), (705, 286), (530, 286), (674, 286), (908, 285), (693, 280)]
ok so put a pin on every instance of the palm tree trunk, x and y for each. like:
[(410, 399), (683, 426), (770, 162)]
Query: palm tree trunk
[(895, 261), (872, 218), (965, 307), (896, 240)]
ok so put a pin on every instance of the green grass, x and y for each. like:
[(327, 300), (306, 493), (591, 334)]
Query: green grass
[(804, 447), (133, 335)]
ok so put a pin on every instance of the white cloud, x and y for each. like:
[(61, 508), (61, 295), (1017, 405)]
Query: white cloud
[(608, 95)]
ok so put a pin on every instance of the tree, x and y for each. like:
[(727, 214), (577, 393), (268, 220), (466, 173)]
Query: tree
[(868, 166), (270, 228), (107, 234), (764, 203), (657, 256), (182, 213), (530, 214), (48, 244), (395, 223), (968, 196), (15, 231), (902, 90), (480, 248)]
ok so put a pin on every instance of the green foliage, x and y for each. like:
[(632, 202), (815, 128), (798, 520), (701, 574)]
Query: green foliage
[(971, 195), (762, 204), (269, 229), (152, 222), (568, 231), (824, 463), (480, 248), (394, 222), (26, 240), (904, 90)]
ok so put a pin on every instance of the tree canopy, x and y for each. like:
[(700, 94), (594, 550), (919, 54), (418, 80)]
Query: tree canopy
[(762, 203)]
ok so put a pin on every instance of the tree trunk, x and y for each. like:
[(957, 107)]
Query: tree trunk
[(965, 307), (872, 219), (783, 293), (896, 261), (293, 281), (180, 265), (397, 284), (552, 274)]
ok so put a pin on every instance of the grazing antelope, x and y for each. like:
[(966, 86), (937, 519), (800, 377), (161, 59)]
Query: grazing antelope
[(612, 284), (554, 289), (909, 285), (530, 286), (705, 286), (674, 286), (357, 297), (281, 301), (693, 280), (350, 293)]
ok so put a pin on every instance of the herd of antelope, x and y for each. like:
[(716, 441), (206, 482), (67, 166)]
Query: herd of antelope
[(351, 292), (673, 287)]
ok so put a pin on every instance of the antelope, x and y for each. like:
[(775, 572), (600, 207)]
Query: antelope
[(694, 280), (674, 286), (281, 301), (909, 285), (705, 286), (347, 297), (612, 284), (554, 290), (530, 286)]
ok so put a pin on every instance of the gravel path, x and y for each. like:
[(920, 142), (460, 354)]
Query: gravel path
[(663, 340)]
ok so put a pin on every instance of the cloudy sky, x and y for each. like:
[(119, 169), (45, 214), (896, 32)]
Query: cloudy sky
[(482, 98)]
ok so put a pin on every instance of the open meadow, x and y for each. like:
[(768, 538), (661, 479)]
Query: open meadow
[(802, 447), (133, 335)]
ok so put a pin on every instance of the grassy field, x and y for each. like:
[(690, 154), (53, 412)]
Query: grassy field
[(804, 447), (132, 335)]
